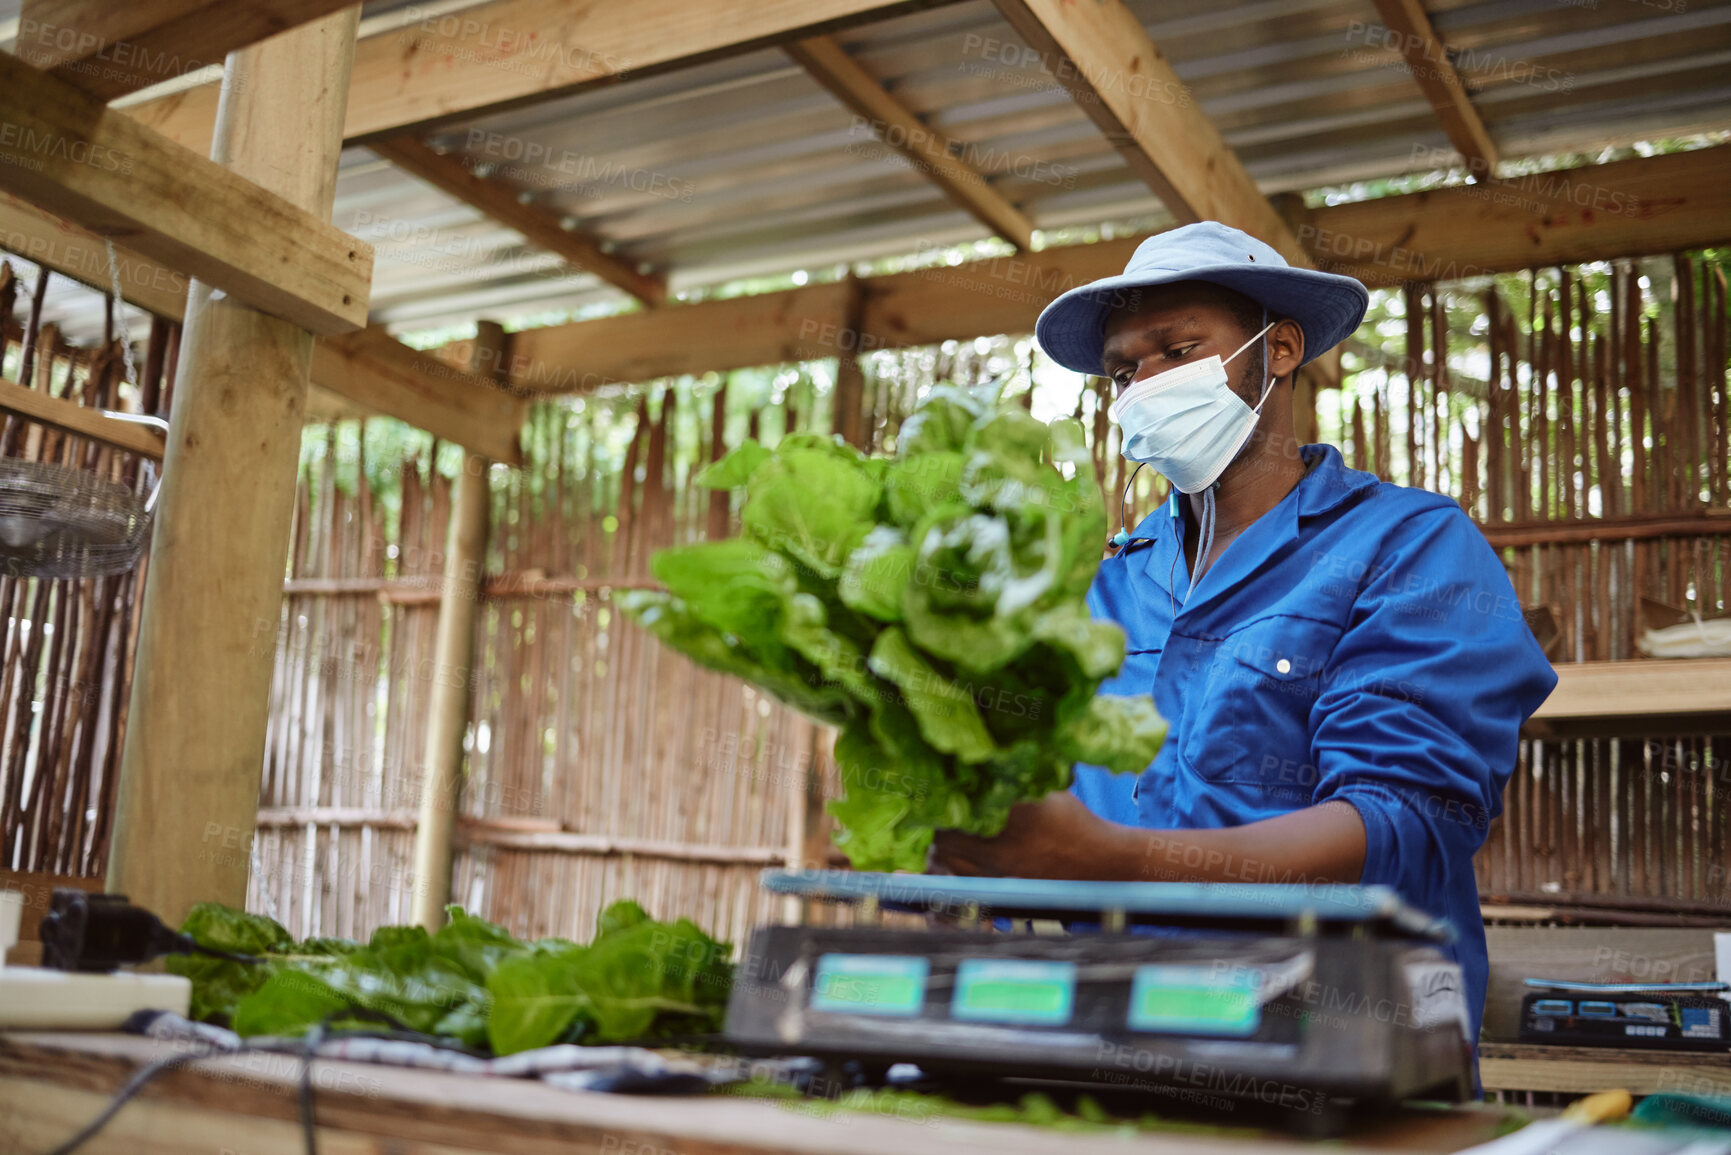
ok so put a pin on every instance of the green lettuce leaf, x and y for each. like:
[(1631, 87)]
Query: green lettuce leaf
[(931, 606)]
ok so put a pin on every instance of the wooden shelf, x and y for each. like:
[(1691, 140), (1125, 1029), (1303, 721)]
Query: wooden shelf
[(1534, 1067), (1671, 694)]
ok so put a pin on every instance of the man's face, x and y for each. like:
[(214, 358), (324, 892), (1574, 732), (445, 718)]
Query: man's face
[(1173, 325)]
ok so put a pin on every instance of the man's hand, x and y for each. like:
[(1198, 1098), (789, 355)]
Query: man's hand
[(1056, 837)]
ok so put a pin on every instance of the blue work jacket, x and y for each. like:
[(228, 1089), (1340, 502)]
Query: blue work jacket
[(1359, 642)]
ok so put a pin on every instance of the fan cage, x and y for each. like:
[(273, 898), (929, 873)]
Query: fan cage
[(61, 522)]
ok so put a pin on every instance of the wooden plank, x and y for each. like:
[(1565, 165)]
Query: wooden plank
[(1639, 688), (1583, 1070), (1626, 208), (47, 240), (490, 57), (1678, 200), (195, 738), (1434, 72), (1118, 76), (539, 227), (52, 1084), (934, 154), (110, 49), (376, 371), (1708, 523), (103, 170), (454, 674), (353, 375), (796, 325), (607, 845), (80, 419), (1586, 954)]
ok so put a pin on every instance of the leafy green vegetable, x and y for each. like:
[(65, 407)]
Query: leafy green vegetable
[(219, 984), (929, 606), (471, 981)]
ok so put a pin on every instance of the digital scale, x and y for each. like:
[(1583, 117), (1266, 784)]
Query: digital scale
[(1658, 1016), (1300, 998)]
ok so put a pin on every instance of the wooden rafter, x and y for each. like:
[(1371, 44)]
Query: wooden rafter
[(496, 55), (1627, 208), (110, 49), (1100, 52), (935, 155), (539, 226), (1441, 83), (353, 375), (60, 146)]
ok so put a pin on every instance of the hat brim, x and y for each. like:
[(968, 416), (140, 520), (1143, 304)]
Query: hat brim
[(1327, 306)]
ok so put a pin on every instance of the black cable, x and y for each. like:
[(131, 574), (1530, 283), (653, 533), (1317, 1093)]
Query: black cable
[(144, 1075), (126, 1092), (313, 1038), (193, 946)]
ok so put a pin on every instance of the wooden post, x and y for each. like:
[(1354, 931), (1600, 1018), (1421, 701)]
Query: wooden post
[(189, 774), (453, 657), (849, 373)]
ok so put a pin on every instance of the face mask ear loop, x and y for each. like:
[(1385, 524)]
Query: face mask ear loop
[(1266, 325), (1267, 377), (1122, 537)]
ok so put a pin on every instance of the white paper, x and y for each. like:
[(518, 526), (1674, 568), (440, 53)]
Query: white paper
[(1722, 954)]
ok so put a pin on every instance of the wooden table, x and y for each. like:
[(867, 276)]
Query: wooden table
[(51, 1084)]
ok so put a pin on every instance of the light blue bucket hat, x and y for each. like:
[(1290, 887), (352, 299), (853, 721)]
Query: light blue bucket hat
[(1327, 306)]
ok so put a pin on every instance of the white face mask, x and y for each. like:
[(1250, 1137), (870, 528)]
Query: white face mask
[(1187, 422)]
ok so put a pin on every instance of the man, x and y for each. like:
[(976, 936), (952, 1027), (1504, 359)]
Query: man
[(1342, 661)]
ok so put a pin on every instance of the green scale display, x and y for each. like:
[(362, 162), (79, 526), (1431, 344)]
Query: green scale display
[(1300, 998)]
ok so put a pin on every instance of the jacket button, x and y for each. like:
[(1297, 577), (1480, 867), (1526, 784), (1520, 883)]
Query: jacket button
[(1283, 666)]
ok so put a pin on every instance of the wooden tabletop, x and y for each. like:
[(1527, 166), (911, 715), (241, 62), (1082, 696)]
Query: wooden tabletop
[(51, 1084)]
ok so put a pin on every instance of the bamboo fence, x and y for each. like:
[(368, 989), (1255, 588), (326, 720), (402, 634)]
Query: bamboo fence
[(68, 645), (601, 766)]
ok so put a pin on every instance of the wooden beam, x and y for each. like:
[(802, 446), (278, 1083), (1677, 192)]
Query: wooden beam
[(1627, 208), (453, 665), (1663, 204), (383, 375), (935, 155), (354, 375), (1102, 54), (110, 49), (490, 57), (80, 419), (539, 227), (195, 735), (800, 324), (47, 240), (1428, 59), (62, 147), (1636, 527)]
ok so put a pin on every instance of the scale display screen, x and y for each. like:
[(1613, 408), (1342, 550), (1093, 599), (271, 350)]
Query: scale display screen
[(1198, 1000), (1020, 991), (870, 984)]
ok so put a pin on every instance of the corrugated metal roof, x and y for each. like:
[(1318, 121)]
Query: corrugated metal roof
[(746, 166)]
